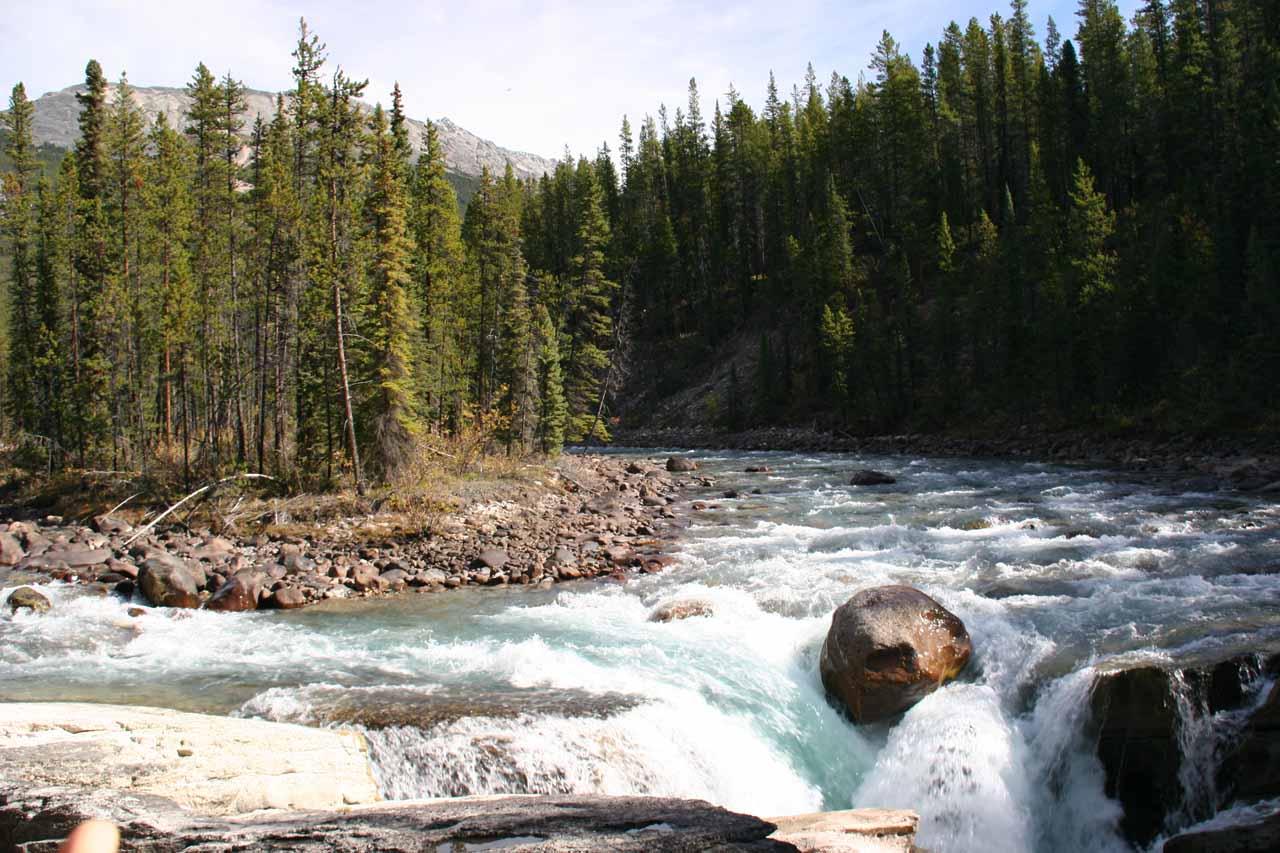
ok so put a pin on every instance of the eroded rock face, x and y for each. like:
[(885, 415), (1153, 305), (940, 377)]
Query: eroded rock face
[(888, 648)]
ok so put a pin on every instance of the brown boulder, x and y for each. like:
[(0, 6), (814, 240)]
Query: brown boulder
[(888, 648), (165, 583), (288, 598), (11, 552), (25, 596), (681, 465), (239, 593)]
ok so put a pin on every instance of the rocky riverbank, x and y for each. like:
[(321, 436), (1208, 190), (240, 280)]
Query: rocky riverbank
[(172, 781), (1206, 463), (589, 517)]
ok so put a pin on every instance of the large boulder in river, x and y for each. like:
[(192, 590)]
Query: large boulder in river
[(888, 648), (239, 593), (868, 477), (681, 465), (1252, 834), (26, 597), (167, 583)]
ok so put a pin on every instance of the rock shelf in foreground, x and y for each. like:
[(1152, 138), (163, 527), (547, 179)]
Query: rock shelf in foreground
[(208, 764), (174, 781)]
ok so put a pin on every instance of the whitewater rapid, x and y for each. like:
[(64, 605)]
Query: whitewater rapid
[(1056, 572)]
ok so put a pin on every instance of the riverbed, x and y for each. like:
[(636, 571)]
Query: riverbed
[(1057, 571)]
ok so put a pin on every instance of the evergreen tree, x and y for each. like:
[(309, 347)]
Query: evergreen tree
[(391, 410), (89, 352), (168, 213), (19, 214), (588, 321), (553, 414)]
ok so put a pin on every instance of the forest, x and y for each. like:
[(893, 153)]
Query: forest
[(1061, 231)]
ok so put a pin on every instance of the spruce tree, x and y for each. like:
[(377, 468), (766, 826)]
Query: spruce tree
[(390, 410), (89, 353), (19, 224), (169, 215), (554, 413), (588, 321)]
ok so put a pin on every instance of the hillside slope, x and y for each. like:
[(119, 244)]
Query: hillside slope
[(464, 152)]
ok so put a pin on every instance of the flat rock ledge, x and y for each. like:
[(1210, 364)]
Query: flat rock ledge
[(175, 781), (208, 764)]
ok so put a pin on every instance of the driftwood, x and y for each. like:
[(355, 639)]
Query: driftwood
[(122, 503), (151, 525)]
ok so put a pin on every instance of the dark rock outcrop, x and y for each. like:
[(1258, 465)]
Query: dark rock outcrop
[(1137, 724), (888, 648), (868, 477), (1258, 836), (35, 820)]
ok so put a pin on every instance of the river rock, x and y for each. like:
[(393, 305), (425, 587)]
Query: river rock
[(889, 647), (555, 823), (288, 598), (869, 477), (1136, 719), (1260, 835), (209, 765), (492, 559), (109, 525), (364, 575), (849, 831), (671, 611), (1252, 770), (681, 465), (26, 597), (239, 593), (166, 583), (11, 551), (81, 558)]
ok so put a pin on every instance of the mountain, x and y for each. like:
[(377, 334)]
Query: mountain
[(464, 152)]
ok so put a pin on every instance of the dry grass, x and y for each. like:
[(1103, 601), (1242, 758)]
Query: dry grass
[(439, 477)]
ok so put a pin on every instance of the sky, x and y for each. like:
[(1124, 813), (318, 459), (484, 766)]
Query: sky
[(531, 76)]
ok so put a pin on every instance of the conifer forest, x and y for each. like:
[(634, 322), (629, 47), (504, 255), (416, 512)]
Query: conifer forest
[(1021, 225)]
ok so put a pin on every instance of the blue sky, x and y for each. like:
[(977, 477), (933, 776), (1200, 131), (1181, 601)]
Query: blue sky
[(536, 76)]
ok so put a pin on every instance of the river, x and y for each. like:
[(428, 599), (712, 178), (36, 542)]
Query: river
[(1055, 570)]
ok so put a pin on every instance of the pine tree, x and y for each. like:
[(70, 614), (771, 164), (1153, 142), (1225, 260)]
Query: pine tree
[(168, 212), (48, 357), (439, 283), (19, 215), (89, 354), (390, 411), (553, 414), (121, 317), (588, 321)]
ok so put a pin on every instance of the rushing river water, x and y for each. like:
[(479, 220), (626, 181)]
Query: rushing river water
[(1056, 571)]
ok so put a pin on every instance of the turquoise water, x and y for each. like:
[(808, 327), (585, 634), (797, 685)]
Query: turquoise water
[(1054, 570)]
